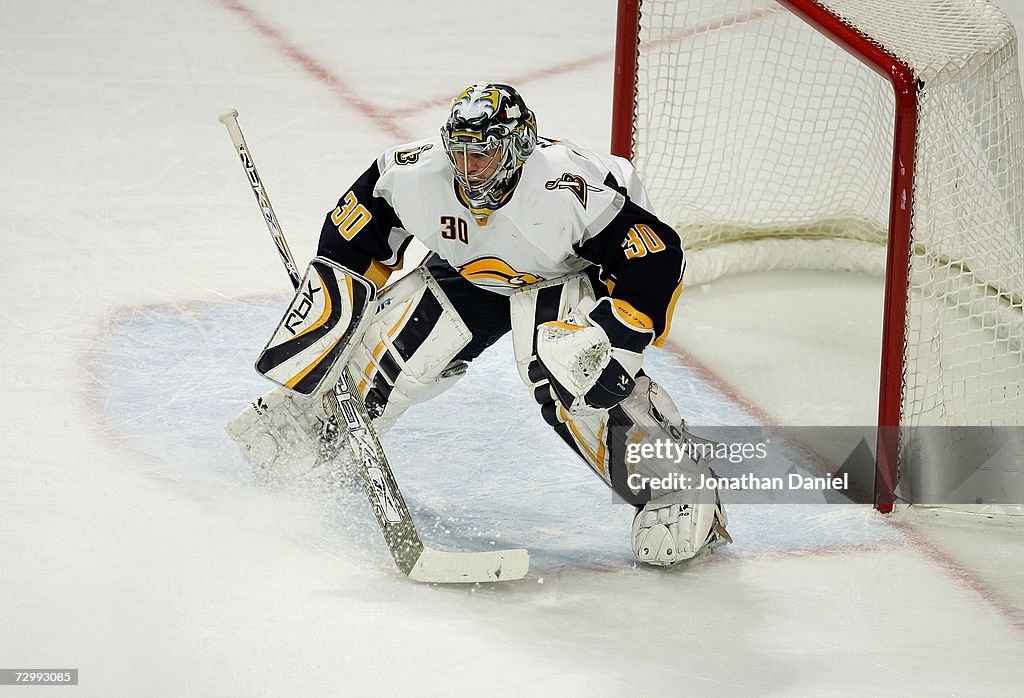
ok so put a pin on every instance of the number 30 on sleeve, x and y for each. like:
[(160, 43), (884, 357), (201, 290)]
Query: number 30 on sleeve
[(640, 240), (350, 217)]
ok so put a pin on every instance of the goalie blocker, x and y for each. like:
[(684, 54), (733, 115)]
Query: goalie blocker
[(308, 350)]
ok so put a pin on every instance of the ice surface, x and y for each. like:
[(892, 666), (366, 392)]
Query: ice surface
[(139, 286)]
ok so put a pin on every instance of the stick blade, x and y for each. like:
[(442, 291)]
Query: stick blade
[(442, 567)]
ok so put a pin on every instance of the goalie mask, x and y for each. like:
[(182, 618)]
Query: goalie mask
[(488, 136)]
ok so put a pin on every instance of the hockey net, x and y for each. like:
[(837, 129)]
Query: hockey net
[(840, 135)]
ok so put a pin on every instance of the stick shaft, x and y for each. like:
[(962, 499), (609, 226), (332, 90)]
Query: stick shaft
[(347, 408), (230, 120)]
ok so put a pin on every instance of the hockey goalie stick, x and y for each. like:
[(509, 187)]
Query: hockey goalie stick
[(415, 559)]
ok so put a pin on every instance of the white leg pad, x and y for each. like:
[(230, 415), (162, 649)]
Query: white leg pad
[(676, 524), (407, 354), (568, 299)]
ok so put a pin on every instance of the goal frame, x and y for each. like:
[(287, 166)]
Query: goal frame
[(900, 221)]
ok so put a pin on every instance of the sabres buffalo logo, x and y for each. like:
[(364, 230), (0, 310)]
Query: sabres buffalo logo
[(412, 155), (494, 269), (574, 184)]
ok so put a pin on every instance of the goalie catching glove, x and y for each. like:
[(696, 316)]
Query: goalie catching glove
[(594, 366)]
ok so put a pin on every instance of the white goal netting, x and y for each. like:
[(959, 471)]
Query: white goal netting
[(767, 145)]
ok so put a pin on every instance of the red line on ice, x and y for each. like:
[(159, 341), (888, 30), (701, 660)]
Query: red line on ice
[(1013, 614), (342, 90), (569, 66)]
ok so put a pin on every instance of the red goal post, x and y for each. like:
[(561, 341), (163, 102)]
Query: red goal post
[(672, 53)]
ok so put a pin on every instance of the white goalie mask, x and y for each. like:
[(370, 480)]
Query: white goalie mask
[(488, 136)]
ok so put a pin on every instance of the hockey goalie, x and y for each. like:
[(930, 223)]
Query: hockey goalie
[(541, 238)]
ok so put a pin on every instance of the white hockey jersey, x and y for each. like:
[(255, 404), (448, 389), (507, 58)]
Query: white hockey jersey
[(570, 209)]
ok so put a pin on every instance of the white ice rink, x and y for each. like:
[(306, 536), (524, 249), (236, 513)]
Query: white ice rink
[(139, 284)]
